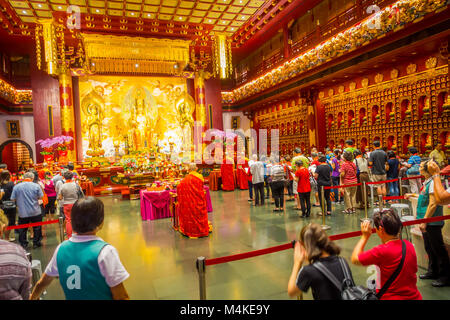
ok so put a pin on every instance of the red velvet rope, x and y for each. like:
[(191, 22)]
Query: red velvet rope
[(414, 177), (290, 245), (381, 182), (394, 198), (250, 254), (34, 224), (342, 186)]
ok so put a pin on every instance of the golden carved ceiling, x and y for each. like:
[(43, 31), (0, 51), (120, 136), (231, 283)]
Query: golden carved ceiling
[(222, 15)]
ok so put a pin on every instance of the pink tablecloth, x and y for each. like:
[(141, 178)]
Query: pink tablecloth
[(156, 204)]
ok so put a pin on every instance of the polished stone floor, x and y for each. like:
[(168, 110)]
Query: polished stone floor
[(161, 262)]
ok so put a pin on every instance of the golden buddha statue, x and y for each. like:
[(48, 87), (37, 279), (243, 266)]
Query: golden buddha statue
[(184, 107), (143, 119), (92, 105)]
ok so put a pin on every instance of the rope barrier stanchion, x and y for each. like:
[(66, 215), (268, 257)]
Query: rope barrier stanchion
[(324, 212), (380, 202), (61, 229), (201, 277), (400, 186)]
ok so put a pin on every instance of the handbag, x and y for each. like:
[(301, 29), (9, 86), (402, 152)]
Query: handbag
[(350, 291)]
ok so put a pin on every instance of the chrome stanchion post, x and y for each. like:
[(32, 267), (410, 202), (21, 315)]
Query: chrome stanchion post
[(201, 277), (365, 200), (324, 212), (400, 186), (380, 202), (61, 229)]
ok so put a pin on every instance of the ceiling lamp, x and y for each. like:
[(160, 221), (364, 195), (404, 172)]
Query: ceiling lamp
[(222, 62)]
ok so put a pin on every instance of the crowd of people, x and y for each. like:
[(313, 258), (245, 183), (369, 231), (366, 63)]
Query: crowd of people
[(304, 177), (34, 197)]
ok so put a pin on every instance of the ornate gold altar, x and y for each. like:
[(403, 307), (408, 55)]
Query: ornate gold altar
[(124, 114)]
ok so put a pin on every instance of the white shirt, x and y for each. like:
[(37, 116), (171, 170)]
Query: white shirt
[(108, 261)]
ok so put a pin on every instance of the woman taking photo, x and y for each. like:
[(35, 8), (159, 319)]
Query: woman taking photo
[(315, 246)]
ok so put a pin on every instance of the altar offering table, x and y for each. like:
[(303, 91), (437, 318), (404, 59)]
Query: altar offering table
[(156, 204)]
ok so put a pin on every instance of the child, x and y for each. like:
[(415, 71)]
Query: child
[(88, 268)]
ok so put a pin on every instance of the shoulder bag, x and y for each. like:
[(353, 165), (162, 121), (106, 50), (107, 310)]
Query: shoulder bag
[(349, 290)]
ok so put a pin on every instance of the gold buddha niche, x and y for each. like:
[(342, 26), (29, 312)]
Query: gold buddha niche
[(92, 106)]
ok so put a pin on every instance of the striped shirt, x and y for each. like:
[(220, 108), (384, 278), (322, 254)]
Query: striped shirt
[(15, 272), (277, 172)]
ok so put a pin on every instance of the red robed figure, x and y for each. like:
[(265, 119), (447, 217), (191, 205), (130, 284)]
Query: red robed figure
[(227, 172), (242, 176), (192, 213)]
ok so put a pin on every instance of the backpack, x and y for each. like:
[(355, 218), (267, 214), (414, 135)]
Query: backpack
[(350, 291), (414, 170)]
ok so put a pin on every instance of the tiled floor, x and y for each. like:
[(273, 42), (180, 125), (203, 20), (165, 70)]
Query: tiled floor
[(161, 262)]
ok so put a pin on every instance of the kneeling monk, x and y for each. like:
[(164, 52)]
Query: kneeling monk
[(192, 213)]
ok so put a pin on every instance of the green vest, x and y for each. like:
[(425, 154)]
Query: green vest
[(79, 273), (422, 205)]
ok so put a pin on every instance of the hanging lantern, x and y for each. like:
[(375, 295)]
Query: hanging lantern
[(222, 56)]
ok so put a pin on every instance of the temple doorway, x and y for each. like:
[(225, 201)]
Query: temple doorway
[(16, 154)]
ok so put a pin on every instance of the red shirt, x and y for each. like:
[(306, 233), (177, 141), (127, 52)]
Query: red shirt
[(287, 170), (350, 173), (387, 257), (303, 180), (316, 163)]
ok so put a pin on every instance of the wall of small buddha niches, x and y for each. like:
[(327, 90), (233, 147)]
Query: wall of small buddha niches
[(402, 107), (290, 118)]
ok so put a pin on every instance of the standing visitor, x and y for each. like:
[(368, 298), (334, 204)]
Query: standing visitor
[(290, 174), (267, 178), (427, 207), (257, 171), (349, 146), (305, 163), (279, 179), (362, 166), (314, 186), (68, 194), (442, 196), (336, 175), (303, 190), (348, 175), (49, 190), (323, 178), (96, 263), (388, 255), (7, 205), (27, 195), (248, 163), (413, 170), (392, 173), (314, 246), (378, 161)]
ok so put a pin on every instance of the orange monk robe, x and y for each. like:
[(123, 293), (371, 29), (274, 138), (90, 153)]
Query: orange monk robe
[(192, 213), (227, 173)]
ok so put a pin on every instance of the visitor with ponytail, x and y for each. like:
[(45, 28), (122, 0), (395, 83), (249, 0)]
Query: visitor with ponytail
[(315, 247)]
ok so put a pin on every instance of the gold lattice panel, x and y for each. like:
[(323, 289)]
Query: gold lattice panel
[(225, 15)]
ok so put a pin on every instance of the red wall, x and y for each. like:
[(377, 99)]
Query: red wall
[(45, 92)]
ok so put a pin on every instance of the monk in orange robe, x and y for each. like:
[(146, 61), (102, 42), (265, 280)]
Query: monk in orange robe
[(192, 212), (242, 175), (227, 173)]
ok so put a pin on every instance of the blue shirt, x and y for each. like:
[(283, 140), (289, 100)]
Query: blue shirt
[(27, 195)]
